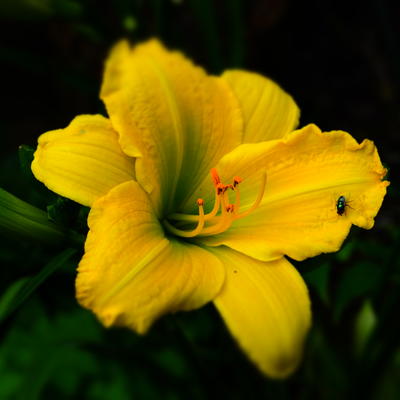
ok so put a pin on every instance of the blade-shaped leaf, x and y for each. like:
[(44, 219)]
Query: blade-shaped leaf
[(20, 291), (21, 219)]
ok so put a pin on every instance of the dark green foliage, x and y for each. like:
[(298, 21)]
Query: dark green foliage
[(21, 289), (341, 62)]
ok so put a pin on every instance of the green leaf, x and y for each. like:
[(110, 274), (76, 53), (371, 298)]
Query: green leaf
[(24, 221), (235, 23), (356, 282), (318, 278), (130, 23), (44, 352), (365, 323), (25, 154), (62, 211), (346, 251), (8, 297), (205, 14), (67, 8), (20, 291), (39, 10), (171, 361), (26, 9)]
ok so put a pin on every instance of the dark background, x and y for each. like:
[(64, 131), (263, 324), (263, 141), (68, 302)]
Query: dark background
[(341, 62)]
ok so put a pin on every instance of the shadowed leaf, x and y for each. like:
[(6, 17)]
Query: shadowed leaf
[(20, 291)]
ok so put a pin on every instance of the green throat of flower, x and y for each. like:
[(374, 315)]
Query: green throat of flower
[(220, 218)]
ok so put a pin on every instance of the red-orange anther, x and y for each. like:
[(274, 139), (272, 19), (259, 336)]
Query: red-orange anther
[(220, 188), (200, 202), (237, 180), (230, 207)]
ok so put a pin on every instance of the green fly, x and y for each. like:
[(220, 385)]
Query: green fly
[(341, 205)]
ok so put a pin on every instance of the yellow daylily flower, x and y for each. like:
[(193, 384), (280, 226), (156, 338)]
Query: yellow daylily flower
[(199, 187)]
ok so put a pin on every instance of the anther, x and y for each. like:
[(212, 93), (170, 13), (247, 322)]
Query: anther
[(237, 180), (220, 188), (230, 208)]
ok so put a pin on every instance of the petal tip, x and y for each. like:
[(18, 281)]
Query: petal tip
[(282, 368)]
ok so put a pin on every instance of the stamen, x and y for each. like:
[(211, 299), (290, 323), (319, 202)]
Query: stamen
[(236, 181), (194, 232), (237, 199), (219, 223), (258, 199), (226, 198), (225, 221)]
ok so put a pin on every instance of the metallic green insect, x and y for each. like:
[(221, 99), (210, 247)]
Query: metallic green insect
[(341, 205)]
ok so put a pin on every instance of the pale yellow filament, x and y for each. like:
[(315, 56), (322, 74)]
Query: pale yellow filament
[(258, 199), (195, 218), (188, 234), (224, 222), (237, 200)]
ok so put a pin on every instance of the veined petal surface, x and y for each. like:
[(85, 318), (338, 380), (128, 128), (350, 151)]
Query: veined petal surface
[(307, 172), (169, 114), (83, 161), (268, 111), (267, 309), (131, 274)]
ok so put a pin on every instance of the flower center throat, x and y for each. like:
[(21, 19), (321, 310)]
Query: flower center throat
[(223, 214)]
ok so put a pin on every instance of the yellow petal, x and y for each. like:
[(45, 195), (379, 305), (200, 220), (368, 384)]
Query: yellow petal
[(268, 111), (172, 116), (307, 172), (83, 161), (131, 273), (267, 310)]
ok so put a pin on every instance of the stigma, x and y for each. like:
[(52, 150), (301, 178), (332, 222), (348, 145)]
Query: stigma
[(222, 215)]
